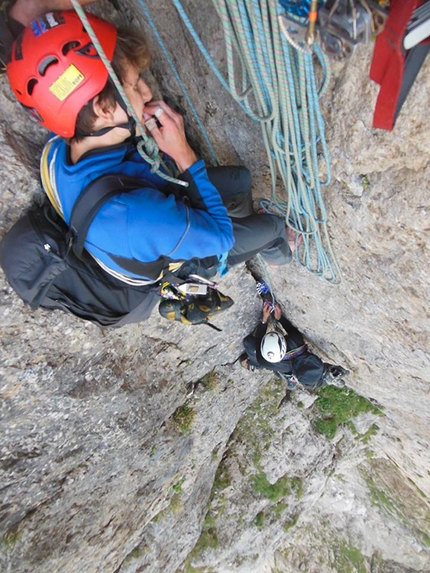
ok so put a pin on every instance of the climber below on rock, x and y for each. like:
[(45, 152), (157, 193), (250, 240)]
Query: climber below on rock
[(282, 349)]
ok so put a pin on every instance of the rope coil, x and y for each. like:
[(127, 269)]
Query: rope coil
[(278, 88)]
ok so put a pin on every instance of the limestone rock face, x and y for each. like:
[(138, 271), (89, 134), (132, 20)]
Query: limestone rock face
[(148, 448)]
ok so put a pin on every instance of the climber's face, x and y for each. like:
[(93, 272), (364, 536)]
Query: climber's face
[(137, 91)]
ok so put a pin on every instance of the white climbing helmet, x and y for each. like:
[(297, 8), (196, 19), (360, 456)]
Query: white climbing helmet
[(273, 347)]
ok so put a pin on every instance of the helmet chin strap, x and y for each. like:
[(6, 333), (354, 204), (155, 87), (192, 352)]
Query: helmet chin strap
[(130, 125)]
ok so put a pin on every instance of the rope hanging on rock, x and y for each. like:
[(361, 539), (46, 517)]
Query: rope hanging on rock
[(175, 72), (152, 153), (276, 85)]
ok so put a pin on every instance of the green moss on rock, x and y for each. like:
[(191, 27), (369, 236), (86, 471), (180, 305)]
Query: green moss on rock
[(338, 406), (348, 558), (183, 418), (260, 519), (272, 491)]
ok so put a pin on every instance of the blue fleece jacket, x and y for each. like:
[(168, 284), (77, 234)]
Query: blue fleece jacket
[(143, 224)]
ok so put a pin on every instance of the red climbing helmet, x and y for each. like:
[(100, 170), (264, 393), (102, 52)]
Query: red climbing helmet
[(55, 70)]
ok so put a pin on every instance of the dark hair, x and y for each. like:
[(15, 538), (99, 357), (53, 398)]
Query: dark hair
[(131, 48)]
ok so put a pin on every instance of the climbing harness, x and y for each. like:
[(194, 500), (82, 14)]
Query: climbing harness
[(152, 154)]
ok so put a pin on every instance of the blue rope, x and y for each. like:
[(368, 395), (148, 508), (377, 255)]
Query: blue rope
[(279, 90), (298, 7), (206, 55), (178, 79)]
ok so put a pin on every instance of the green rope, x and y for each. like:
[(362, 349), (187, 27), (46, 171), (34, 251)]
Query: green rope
[(152, 153)]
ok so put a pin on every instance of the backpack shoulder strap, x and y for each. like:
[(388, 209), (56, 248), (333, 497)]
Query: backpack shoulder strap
[(295, 352), (90, 201)]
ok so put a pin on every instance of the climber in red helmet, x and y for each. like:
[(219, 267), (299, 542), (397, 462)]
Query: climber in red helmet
[(209, 226)]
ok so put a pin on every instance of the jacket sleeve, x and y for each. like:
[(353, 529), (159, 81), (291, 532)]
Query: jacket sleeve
[(259, 331), (163, 225)]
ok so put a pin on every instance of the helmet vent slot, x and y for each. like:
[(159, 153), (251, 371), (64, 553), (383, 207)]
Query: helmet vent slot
[(31, 85), (46, 63), (69, 46)]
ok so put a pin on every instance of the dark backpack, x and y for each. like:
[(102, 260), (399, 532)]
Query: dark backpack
[(46, 264), (308, 369)]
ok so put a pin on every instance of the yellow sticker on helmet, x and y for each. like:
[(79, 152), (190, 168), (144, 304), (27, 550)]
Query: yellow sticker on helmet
[(67, 83)]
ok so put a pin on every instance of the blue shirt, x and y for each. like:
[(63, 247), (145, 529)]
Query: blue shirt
[(145, 223)]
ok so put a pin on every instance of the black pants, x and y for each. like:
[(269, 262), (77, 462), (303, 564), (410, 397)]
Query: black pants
[(254, 233)]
